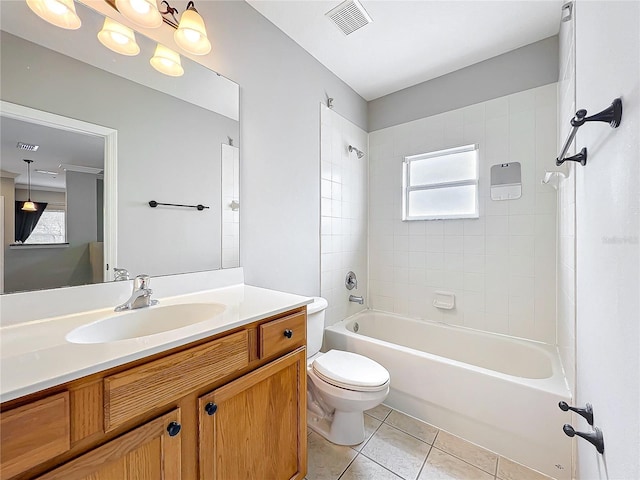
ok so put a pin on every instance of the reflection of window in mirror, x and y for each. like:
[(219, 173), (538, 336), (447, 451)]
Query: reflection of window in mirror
[(51, 227), (47, 225)]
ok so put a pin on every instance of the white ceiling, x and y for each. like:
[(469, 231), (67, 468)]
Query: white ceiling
[(410, 42), (56, 147)]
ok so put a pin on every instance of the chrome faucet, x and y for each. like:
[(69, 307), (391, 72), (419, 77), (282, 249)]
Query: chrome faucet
[(353, 298), (141, 295)]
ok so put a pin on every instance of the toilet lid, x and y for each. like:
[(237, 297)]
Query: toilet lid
[(350, 370)]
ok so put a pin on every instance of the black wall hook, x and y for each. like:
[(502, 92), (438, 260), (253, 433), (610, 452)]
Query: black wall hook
[(595, 438), (586, 412), (611, 115)]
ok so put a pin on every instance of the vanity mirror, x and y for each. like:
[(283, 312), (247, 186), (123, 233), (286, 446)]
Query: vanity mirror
[(153, 137)]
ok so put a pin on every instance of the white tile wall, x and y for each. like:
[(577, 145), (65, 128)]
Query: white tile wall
[(501, 266), (230, 218), (343, 228), (566, 308)]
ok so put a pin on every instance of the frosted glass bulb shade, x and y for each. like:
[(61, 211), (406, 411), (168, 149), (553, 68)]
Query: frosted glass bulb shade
[(118, 38), (141, 12), (29, 206), (61, 13), (191, 34), (167, 61)]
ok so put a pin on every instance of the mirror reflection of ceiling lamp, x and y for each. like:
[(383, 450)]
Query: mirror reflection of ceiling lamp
[(118, 38), (29, 206), (167, 61), (141, 12), (61, 13)]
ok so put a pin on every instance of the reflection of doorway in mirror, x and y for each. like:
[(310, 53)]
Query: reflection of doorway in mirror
[(88, 203), (230, 206)]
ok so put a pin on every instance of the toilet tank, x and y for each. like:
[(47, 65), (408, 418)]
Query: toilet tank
[(315, 325)]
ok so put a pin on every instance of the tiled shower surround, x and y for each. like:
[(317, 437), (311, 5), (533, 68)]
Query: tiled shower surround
[(343, 241), (502, 265)]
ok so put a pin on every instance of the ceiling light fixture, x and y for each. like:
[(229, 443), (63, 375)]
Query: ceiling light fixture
[(167, 61), (141, 12), (61, 13), (118, 38), (29, 206)]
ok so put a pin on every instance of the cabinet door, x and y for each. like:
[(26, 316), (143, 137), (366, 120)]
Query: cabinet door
[(149, 452), (255, 427)]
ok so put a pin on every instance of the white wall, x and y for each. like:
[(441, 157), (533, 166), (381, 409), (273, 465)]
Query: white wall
[(501, 266), (607, 232), (344, 222), (524, 68), (566, 269)]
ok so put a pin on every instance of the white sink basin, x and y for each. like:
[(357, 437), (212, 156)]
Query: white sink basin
[(144, 322)]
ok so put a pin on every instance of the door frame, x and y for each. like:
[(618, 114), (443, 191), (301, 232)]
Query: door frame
[(110, 136)]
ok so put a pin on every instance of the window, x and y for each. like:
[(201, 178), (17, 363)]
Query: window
[(441, 185), (51, 228)]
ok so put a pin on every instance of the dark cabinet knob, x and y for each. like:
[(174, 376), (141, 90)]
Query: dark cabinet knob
[(174, 429), (211, 408), (288, 333)]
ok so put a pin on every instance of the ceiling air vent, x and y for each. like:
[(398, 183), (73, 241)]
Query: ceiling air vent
[(27, 146), (349, 16)]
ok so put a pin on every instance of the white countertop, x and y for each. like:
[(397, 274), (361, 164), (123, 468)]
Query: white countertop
[(35, 355)]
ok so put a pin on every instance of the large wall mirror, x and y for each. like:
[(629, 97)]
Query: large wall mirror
[(113, 134)]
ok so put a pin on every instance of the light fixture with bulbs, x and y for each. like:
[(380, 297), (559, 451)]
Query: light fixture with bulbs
[(118, 38), (190, 34), (61, 13), (141, 12), (167, 61), (29, 206)]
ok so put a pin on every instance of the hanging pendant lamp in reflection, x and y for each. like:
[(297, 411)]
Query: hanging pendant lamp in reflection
[(29, 206), (118, 38), (141, 12), (167, 61), (61, 13), (191, 34)]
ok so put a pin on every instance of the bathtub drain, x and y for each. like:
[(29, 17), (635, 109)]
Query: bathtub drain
[(356, 327)]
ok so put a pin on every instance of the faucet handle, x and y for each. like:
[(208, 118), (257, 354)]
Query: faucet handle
[(141, 282), (120, 274)]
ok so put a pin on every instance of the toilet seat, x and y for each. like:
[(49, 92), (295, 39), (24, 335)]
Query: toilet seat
[(350, 371)]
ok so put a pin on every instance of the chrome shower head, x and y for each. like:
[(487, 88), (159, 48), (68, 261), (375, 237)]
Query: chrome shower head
[(359, 153)]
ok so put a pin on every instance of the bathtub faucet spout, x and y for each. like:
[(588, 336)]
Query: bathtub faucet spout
[(353, 298)]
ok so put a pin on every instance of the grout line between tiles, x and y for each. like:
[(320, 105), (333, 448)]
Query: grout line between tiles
[(425, 459), (468, 463), (379, 464)]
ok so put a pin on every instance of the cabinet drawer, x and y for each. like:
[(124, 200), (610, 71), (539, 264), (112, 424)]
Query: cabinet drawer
[(34, 433), (283, 334), (154, 384)]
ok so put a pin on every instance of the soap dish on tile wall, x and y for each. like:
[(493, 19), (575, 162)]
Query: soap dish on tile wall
[(444, 300)]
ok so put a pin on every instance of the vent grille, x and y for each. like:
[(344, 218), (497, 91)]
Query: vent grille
[(349, 16), (27, 146)]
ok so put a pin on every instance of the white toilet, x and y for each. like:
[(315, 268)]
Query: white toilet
[(341, 385)]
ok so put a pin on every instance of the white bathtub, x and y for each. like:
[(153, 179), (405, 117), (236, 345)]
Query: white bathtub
[(499, 392)]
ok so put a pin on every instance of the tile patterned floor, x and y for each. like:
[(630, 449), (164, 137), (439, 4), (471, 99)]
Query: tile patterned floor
[(399, 447)]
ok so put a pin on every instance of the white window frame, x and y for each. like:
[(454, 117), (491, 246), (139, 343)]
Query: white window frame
[(407, 187)]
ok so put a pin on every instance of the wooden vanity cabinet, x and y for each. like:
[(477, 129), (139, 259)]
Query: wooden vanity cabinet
[(229, 407), (255, 427)]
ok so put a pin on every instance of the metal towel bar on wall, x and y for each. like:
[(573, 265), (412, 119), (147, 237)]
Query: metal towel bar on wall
[(154, 204), (611, 115)]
